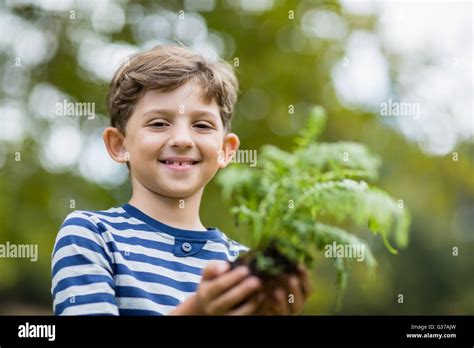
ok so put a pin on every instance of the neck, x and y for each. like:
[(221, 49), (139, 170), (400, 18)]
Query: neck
[(177, 212)]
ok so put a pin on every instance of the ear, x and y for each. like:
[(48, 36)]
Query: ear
[(114, 142), (229, 148)]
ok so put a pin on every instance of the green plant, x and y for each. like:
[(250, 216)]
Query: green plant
[(297, 203)]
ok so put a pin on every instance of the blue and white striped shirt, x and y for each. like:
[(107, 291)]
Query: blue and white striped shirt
[(122, 262)]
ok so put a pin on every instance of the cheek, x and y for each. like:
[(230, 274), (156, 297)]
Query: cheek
[(210, 149), (146, 144)]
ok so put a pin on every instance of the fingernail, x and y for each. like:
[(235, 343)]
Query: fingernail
[(244, 270), (278, 292), (222, 267), (254, 282)]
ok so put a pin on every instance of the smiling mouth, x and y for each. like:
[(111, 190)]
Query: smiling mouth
[(179, 163)]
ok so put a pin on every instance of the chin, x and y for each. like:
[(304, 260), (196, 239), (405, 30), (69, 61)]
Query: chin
[(178, 192)]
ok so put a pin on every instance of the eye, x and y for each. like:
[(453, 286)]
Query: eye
[(159, 124), (203, 125)]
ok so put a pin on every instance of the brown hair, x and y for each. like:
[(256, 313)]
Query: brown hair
[(166, 68)]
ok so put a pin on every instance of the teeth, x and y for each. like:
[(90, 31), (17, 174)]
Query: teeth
[(179, 163)]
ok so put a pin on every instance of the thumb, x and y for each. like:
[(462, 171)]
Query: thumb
[(214, 268)]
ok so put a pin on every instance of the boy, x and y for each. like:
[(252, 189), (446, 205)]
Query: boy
[(170, 120)]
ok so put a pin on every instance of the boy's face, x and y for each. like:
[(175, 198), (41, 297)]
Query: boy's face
[(173, 140)]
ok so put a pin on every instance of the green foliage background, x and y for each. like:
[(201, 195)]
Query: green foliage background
[(438, 191)]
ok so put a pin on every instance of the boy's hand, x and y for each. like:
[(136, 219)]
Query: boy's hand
[(290, 300), (223, 292)]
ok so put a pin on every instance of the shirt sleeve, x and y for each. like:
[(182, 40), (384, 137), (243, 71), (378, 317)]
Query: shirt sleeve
[(82, 269)]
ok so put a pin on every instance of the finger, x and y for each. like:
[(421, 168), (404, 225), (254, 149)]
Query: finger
[(214, 268), (295, 302), (237, 294), (281, 304), (226, 281), (266, 304), (249, 307), (305, 280)]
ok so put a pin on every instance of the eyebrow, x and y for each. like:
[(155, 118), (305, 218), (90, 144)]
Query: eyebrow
[(171, 113)]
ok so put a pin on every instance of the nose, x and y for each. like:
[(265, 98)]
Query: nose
[(181, 136)]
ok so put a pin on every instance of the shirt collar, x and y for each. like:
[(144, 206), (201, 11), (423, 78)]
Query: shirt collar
[(211, 233)]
